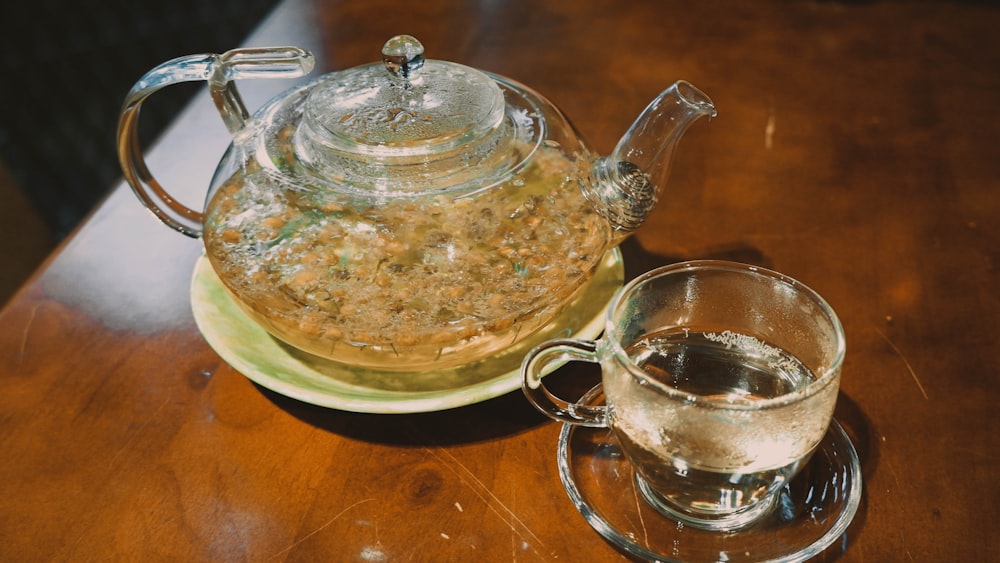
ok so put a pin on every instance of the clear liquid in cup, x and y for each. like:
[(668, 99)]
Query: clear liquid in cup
[(708, 456)]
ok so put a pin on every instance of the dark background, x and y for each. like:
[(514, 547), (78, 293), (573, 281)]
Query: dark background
[(66, 67)]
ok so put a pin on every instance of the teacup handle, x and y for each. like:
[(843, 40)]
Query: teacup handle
[(545, 358)]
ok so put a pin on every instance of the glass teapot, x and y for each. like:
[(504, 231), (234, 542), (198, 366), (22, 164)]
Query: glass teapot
[(410, 213)]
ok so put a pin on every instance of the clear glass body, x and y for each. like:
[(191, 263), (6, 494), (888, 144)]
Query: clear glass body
[(720, 381), (405, 215), (437, 276)]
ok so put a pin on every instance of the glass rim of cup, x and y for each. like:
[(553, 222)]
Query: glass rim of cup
[(823, 379)]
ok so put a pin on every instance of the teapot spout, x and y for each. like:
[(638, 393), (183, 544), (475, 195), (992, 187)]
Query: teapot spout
[(624, 186)]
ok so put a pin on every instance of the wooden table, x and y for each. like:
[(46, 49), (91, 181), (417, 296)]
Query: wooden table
[(855, 150)]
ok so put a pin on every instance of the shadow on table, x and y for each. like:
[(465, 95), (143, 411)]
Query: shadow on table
[(858, 428), (506, 415), (638, 260)]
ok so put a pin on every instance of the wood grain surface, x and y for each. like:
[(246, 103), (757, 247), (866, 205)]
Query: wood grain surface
[(855, 150)]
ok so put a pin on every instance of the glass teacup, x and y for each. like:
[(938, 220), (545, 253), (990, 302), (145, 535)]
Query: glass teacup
[(720, 381)]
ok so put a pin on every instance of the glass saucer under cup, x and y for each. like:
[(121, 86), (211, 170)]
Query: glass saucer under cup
[(813, 511)]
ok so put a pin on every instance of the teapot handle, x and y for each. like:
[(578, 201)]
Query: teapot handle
[(219, 71)]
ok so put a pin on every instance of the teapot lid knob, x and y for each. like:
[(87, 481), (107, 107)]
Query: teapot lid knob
[(403, 55), (403, 122)]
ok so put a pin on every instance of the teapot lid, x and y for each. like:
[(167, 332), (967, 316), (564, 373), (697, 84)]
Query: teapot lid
[(404, 111)]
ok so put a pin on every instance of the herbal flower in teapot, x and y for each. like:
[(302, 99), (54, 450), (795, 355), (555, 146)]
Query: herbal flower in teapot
[(408, 214)]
